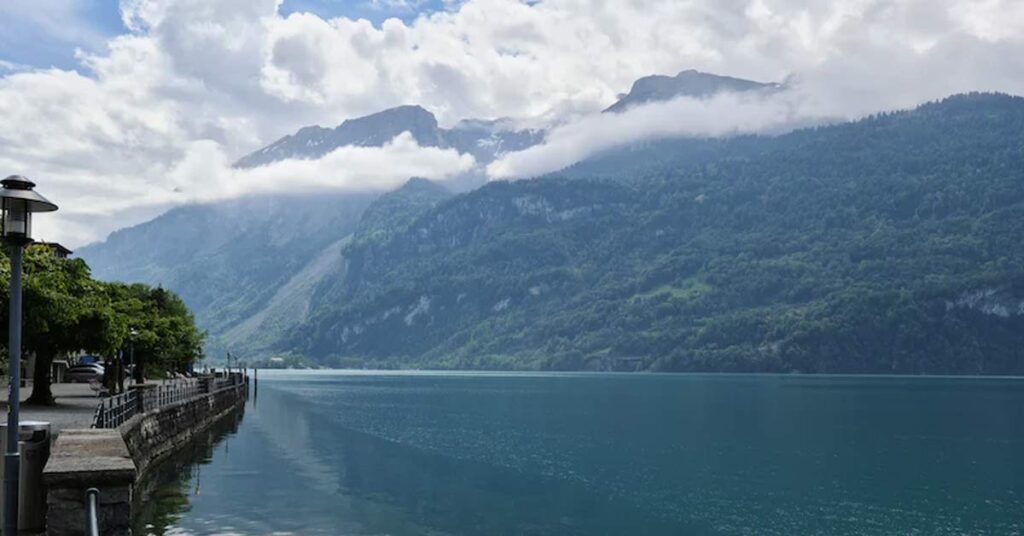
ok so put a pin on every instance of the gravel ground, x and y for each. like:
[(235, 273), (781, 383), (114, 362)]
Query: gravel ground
[(76, 404)]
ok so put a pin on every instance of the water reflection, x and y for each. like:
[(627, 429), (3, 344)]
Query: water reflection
[(294, 469), (166, 491)]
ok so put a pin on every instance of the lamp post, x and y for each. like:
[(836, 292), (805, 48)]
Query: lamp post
[(19, 201)]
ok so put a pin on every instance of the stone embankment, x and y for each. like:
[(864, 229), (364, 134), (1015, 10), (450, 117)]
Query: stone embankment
[(135, 431)]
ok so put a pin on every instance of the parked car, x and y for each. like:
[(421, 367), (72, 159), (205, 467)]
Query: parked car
[(85, 373), (88, 360)]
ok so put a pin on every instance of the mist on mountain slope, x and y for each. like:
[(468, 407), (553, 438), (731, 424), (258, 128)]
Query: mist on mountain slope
[(206, 174)]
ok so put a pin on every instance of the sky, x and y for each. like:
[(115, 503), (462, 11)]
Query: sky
[(121, 110), (47, 33)]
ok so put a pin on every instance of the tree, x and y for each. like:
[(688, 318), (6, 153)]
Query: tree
[(166, 339), (66, 311)]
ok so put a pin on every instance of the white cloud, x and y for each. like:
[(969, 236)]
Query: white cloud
[(859, 58), (724, 114), (198, 83), (205, 173)]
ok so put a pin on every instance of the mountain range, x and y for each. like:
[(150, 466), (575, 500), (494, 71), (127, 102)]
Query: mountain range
[(890, 244), (483, 138), (245, 269)]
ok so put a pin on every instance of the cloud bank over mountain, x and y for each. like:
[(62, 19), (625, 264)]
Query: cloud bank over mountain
[(206, 173), (723, 114), (842, 88), (150, 121)]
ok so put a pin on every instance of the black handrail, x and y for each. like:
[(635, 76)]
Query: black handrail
[(116, 410), (92, 505)]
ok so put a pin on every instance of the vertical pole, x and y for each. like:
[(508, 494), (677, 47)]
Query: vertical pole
[(92, 511), (141, 367), (137, 370), (11, 461)]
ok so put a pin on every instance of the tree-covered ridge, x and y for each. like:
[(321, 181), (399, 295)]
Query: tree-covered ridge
[(891, 244), (394, 212)]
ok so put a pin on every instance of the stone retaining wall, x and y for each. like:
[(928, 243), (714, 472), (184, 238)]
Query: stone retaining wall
[(158, 433), (114, 460)]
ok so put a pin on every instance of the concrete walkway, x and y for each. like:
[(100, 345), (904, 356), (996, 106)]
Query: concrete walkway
[(76, 405)]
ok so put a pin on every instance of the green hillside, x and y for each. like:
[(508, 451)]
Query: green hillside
[(892, 244), (237, 264)]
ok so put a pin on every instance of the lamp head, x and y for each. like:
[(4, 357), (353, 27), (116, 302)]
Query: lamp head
[(18, 200)]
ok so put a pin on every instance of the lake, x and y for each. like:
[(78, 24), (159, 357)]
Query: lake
[(323, 453)]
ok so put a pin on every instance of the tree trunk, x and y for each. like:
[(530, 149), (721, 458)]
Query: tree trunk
[(119, 368), (41, 393)]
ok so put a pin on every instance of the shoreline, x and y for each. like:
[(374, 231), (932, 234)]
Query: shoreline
[(644, 374)]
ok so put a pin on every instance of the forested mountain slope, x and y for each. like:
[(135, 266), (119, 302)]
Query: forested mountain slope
[(248, 268), (893, 244), (227, 260)]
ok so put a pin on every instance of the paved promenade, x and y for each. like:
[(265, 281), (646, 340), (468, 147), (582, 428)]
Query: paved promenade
[(76, 404)]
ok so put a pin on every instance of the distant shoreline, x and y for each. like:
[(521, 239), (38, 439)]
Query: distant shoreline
[(529, 373)]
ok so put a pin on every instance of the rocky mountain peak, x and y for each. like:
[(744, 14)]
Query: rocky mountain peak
[(688, 83), (484, 139)]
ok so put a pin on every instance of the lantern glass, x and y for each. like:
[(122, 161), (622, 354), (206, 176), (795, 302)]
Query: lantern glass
[(17, 219)]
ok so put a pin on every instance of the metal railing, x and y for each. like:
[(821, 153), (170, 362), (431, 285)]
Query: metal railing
[(116, 410), (173, 392), (223, 382), (92, 517)]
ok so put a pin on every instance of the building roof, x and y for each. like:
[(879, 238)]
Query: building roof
[(60, 250)]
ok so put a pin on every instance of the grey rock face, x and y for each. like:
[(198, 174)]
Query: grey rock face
[(688, 83), (482, 139)]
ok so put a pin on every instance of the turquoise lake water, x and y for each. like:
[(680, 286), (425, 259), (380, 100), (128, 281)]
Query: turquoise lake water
[(333, 453)]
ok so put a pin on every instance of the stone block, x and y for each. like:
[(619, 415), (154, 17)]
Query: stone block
[(83, 459)]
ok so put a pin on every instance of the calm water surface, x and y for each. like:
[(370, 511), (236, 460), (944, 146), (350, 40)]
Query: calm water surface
[(358, 453)]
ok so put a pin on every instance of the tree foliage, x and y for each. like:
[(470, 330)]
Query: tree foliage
[(65, 311), (166, 336)]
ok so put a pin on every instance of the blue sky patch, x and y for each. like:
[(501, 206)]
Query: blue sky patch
[(376, 11), (41, 34)]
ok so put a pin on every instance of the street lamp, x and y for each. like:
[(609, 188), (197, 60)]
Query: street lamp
[(19, 201)]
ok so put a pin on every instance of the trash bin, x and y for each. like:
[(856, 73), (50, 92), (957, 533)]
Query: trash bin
[(34, 450)]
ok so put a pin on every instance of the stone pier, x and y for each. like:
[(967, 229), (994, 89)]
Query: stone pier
[(113, 460), (83, 459)]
